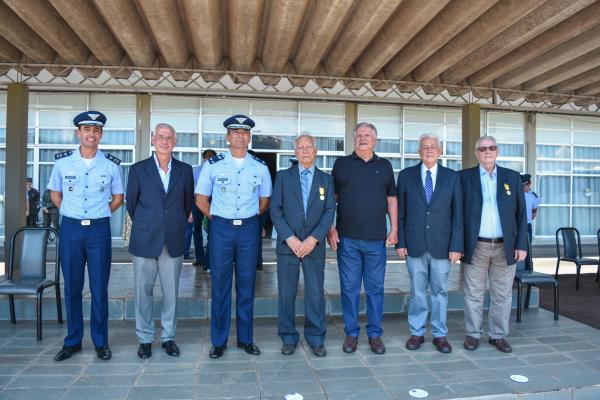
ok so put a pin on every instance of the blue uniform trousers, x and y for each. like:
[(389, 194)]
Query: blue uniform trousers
[(362, 261), (232, 246), (91, 244), (426, 271), (198, 240)]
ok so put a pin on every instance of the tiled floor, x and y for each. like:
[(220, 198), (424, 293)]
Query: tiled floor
[(554, 355)]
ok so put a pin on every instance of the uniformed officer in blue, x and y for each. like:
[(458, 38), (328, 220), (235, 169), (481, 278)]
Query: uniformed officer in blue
[(240, 186), (532, 203), (86, 185)]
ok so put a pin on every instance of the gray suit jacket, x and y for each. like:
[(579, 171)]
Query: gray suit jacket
[(287, 209)]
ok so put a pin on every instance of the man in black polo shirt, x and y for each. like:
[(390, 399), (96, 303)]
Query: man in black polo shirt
[(366, 191)]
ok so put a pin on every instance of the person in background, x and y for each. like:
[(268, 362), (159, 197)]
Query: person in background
[(33, 198), (532, 203), (49, 210)]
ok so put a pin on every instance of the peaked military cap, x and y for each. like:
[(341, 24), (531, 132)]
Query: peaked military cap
[(94, 118), (239, 121), (525, 178)]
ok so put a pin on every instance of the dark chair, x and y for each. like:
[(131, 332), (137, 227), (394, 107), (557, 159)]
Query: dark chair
[(571, 244), (525, 275), (30, 256)]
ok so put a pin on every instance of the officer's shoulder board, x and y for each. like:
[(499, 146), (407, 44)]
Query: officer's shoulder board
[(64, 154), (216, 158), (535, 194), (112, 158), (258, 159)]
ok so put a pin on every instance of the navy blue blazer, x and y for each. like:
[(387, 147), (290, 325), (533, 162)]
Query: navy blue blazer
[(436, 228), (287, 209), (158, 218), (511, 207)]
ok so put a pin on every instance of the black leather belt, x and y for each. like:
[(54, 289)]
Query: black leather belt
[(490, 240), (85, 222)]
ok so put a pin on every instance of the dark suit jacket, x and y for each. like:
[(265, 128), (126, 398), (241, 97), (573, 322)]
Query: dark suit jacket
[(437, 227), (287, 209), (158, 218), (511, 208)]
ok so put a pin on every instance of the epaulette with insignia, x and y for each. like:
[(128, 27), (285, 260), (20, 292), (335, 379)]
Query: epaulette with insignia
[(112, 158), (535, 194), (258, 159), (216, 158), (64, 154)]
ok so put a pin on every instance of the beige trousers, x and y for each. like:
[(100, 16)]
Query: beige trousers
[(488, 262)]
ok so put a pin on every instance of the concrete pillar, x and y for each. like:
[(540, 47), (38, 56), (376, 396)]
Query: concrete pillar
[(351, 121), (16, 160), (529, 121), (471, 114), (142, 128)]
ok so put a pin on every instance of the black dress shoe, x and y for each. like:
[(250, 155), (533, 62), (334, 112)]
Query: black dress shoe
[(103, 353), (288, 349), (319, 351), (145, 350), (171, 348), (350, 343), (66, 352), (217, 351), (249, 348)]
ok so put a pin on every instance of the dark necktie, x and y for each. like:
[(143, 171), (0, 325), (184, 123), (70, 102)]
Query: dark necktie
[(428, 187), (305, 188)]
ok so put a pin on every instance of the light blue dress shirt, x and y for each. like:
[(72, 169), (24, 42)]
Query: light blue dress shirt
[(86, 190), (196, 171), (165, 177), (531, 202), (309, 178), (433, 170), (490, 226), (235, 191)]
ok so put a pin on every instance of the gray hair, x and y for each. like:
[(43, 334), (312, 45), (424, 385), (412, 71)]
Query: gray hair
[(164, 125), (305, 135), (478, 142), (365, 125), (429, 136)]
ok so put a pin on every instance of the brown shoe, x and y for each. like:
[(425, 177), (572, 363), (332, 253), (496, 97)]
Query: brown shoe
[(501, 344), (471, 343), (377, 345), (442, 345), (415, 342), (350, 344)]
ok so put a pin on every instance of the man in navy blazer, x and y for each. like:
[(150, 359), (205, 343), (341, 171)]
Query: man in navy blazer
[(430, 237), (302, 210), (160, 195), (495, 226)]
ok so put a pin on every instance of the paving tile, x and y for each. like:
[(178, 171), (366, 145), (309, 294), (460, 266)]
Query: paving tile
[(374, 394), (95, 393), (436, 392), (389, 359), (282, 388), (10, 369), (591, 393), (31, 394), (266, 377), (105, 381), (344, 373), (109, 368), (537, 384), (400, 369), (545, 359), (306, 396), (70, 370), (46, 381), (350, 385), (167, 379), (459, 365), (227, 378), (557, 395), (479, 388), (282, 365), (161, 392), (220, 391)]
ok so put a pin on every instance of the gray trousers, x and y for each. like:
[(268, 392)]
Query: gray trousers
[(145, 271), (488, 262)]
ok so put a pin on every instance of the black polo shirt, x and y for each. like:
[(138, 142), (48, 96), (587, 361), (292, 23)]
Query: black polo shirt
[(362, 189)]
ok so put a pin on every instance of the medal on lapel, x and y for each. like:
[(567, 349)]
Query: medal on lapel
[(507, 188), (321, 193)]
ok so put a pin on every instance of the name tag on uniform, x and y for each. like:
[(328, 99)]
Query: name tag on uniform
[(237, 222)]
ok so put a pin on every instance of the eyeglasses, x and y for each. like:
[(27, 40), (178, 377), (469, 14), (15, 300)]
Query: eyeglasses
[(482, 149), (427, 148), (164, 139)]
